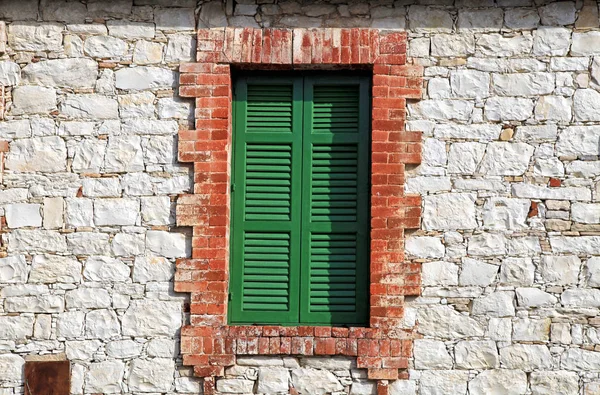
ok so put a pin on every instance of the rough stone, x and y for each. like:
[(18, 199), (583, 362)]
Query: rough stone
[(31, 36), (79, 212), (442, 109), (144, 77), (499, 381), (517, 271), (116, 211), (592, 271), (11, 367), (439, 274), (580, 360), (425, 247), (533, 330), (579, 141), (553, 108), (444, 322), (427, 19), (174, 19), (137, 105), (70, 324), (551, 41), (431, 354), (499, 45), (71, 73), (82, 350), (273, 380), (312, 381), (487, 244), (476, 355), (464, 158), (105, 377), (559, 13), (451, 45), (449, 211), (508, 108), (212, 14), (130, 30), (147, 52), (88, 298), (13, 269), (477, 273), (90, 106), (151, 375), (105, 269), (172, 245), (16, 327), (127, 245), (33, 100), (151, 268), (505, 214), (505, 158), (585, 43), (533, 297), (20, 215), (10, 73), (36, 240), (443, 382), (521, 18), (152, 318), (124, 154), (54, 269), (88, 243), (180, 48), (556, 382), (476, 132), (123, 349), (34, 304), (104, 47), (560, 270), (581, 298), (497, 304), (89, 156)]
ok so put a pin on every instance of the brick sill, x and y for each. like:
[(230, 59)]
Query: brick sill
[(211, 348)]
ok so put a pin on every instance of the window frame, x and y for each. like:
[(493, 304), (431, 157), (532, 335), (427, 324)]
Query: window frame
[(303, 83), (207, 342)]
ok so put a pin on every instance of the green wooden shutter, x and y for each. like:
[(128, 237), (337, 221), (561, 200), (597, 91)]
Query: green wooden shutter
[(335, 202), (266, 195)]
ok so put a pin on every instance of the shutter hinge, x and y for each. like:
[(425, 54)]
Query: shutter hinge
[(229, 297), (232, 187)]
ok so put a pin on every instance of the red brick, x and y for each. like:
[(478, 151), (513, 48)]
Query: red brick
[(382, 374), (208, 148)]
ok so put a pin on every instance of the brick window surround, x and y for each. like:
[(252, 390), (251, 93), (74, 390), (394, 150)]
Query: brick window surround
[(208, 343)]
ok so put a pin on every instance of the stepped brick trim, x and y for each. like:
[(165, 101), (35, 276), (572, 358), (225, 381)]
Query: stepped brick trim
[(208, 343)]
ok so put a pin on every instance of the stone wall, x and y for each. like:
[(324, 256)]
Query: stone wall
[(510, 179), (89, 190)]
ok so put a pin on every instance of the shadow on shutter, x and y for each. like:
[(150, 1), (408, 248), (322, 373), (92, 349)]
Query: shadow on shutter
[(335, 202)]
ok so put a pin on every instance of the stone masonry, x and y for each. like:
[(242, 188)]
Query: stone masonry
[(509, 241)]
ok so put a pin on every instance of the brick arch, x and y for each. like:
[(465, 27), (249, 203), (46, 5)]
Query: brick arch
[(208, 343)]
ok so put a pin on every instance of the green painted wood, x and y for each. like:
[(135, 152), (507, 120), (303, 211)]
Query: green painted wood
[(335, 202), (265, 239), (300, 206)]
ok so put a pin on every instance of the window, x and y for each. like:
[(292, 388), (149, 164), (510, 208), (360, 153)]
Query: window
[(300, 201)]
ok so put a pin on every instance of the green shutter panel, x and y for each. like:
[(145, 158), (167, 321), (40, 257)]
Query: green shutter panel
[(335, 206), (265, 237)]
